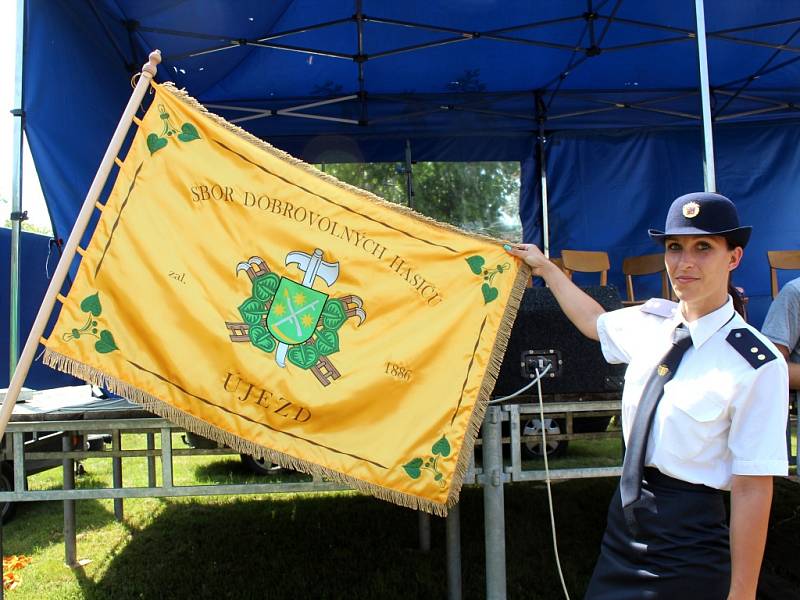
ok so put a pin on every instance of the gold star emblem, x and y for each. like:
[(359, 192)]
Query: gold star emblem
[(279, 309), (691, 210), (299, 298), (307, 320), (662, 370)]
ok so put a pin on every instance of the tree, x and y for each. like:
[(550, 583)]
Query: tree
[(477, 196)]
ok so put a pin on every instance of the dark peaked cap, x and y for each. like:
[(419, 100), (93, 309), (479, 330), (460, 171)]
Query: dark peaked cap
[(703, 213)]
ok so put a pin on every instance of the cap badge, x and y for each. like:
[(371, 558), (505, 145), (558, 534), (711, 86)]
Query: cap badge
[(691, 210), (663, 370)]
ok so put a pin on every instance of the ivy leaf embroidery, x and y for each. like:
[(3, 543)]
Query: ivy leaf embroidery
[(489, 293), (476, 264), (304, 356), (106, 343), (261, 339), (327, 342), (91, 304), (188, 133), (412, 467), (252, 310), (155, 143), (333, 314), (441, 447), (265, 286)]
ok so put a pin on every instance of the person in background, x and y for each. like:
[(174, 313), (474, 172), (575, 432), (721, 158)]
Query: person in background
[(782, 327), (703, 412)]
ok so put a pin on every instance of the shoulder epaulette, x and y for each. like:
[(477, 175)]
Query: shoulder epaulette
[(750, 347), (659, 307)]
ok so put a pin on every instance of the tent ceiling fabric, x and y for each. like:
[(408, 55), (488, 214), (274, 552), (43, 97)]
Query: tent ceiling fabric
[(306, 68)]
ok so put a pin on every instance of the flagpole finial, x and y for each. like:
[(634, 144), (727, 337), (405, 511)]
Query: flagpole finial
[(151, 65)]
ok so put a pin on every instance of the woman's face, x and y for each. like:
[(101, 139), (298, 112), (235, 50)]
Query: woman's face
[(698, 267)]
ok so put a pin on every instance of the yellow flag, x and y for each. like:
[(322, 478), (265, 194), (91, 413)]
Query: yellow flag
[(248, 297)]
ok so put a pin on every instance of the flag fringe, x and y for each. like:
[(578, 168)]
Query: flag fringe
[(90, 374), (183, 96), (489, 380)]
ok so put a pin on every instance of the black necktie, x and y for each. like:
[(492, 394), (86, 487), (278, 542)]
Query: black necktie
[(630, 485)]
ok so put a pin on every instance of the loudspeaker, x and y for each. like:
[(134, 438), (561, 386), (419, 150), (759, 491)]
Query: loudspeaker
[(543, 335)]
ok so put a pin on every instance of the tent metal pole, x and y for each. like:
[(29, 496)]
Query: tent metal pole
[(70, 248), (453, 542), (409, 177), (494, 520), (709, 172), (543, 177), (17, 216), (545, 207)]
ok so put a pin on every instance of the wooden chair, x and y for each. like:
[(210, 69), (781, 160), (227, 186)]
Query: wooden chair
[(781, 259), (586, 262), (648, 264)]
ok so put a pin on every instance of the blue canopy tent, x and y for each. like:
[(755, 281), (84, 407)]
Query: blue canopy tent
[(600, 100)]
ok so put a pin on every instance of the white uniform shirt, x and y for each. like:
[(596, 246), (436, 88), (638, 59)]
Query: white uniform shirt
[(719, 415)]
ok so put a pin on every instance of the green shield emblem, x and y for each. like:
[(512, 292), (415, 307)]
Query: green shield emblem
[(294, 312)]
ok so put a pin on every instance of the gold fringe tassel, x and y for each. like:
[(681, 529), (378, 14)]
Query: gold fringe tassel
[(489, 380), (90, 374)]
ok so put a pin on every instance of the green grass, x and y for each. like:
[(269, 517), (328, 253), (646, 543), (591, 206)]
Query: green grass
[(336, 545)]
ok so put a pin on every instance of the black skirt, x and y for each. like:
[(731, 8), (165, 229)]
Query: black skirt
[(680, 549)]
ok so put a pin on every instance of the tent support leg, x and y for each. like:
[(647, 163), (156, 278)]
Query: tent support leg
[(709, 171), (116, 473), (545, 208), (409, 177), (541, 116), (454, 553), (493, 506), (424, 531), (16, 193), (68, 466)]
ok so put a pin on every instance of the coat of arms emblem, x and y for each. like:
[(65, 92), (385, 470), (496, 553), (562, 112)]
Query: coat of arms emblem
[(297, 322)]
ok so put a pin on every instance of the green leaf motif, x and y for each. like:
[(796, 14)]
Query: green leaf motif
[(91, 304), (252, 310), (304, 356), (441, 447), (155, 143), (333, 314), (412, 467), (489, 293), (261, 339), (265, 286), (106, 343), (476, 264), (327, 342), (76, 334), (188, 133)]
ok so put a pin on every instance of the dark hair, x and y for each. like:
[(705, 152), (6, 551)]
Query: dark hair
[(738, 303)]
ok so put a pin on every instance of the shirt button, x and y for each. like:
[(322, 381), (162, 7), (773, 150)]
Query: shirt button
[(753, 349), (761, 357), (738, 335)]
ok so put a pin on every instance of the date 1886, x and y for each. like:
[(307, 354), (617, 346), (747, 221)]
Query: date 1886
[(398, 372)]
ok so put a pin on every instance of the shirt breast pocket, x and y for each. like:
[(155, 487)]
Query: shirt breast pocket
[(693, 421)]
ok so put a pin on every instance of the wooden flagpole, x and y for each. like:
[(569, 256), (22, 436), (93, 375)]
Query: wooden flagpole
[(26, 358)]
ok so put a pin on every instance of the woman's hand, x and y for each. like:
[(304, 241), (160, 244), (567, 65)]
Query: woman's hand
[(580, 308), (531, 255)]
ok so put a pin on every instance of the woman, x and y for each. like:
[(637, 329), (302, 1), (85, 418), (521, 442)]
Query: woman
[(713, 407)]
